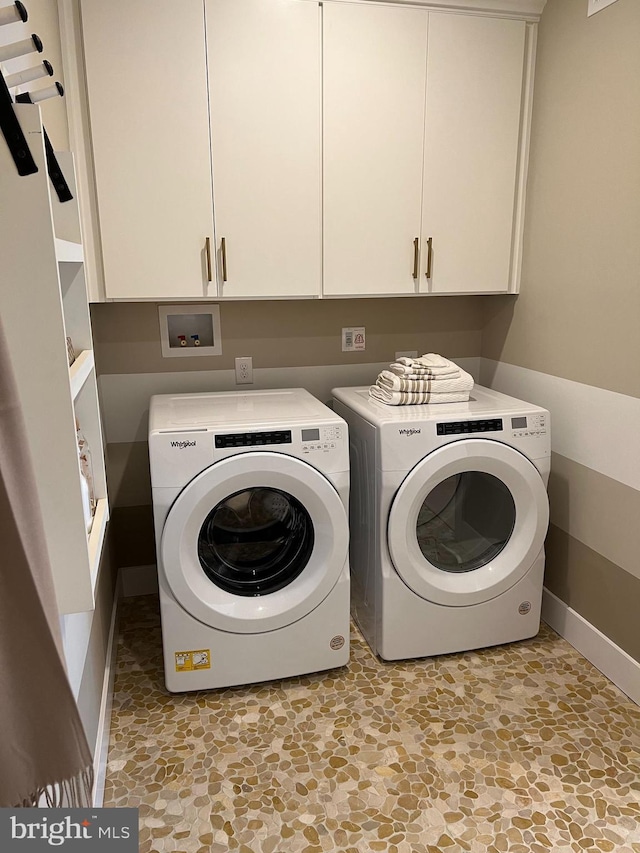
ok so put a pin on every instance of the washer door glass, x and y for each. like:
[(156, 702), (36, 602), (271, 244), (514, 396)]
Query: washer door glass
[(465, 521), (255, 541)]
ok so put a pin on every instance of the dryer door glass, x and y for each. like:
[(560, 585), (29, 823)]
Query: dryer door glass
[(255, 541), (465, 521)]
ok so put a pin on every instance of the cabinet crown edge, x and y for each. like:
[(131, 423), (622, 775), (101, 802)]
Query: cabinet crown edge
[(529, 10)]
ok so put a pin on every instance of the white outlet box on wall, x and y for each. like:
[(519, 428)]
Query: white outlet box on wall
[(189, 330), (595, 6)]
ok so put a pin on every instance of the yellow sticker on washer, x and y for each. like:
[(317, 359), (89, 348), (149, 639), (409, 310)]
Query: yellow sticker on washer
[(189, 661)]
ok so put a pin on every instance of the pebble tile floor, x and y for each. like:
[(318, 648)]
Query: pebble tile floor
[(518, 748)]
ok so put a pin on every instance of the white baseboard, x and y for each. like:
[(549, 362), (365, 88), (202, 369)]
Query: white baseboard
[(101, 748), (139, 580), (598, 649)]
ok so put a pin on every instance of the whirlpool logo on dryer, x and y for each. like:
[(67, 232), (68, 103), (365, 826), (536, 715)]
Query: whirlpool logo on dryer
[(182, 444), (409, 432)]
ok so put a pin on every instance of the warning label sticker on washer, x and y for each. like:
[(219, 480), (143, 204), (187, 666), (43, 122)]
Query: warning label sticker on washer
[(189, 661)]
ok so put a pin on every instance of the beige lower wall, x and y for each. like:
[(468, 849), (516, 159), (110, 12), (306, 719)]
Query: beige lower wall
[(594, 537), (599, 590), (592, 550), (601, 512)]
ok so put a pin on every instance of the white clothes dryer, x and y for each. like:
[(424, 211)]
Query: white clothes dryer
[(448, 517), (250, 496)]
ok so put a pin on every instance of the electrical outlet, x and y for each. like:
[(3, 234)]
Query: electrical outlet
[(244, 370), (410, 353)]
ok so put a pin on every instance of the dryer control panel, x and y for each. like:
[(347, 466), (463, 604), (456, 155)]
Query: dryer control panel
[(528, 425), (322, 439), (467, 427)]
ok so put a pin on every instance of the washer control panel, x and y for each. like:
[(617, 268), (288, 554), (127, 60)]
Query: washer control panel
[(529, 425), (321, 439), (324, 445)]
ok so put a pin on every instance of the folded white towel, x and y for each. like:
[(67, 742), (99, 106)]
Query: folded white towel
[(432, 359), (437, 385), (410, 398), (429, 364), (409, 371)]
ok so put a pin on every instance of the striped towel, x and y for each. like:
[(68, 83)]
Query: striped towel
[(408, 398), (437, 385)]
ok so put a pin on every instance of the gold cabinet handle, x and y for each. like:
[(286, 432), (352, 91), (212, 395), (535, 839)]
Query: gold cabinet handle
[(429, 256), (207, 248), (223, 252), (416, 252)]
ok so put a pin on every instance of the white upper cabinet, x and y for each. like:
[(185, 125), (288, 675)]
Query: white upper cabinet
[(423, 140), (474, 90), (374, 60), (147, 88), (264, 89)]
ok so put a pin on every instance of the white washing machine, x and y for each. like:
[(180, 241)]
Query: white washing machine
[(250, 497), (449, 513)]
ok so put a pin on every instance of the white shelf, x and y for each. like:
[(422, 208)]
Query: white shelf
[(80, 371), (96, 538), (68, 252), (41, 242)]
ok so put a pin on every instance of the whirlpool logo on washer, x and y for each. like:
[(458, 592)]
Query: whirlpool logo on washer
[(181, 445), (409, 432)]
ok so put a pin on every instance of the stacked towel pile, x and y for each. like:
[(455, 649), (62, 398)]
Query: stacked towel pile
[(428, 379)]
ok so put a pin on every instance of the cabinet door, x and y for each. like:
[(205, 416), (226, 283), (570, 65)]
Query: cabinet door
[(147, 86), (264, 88), (374, 60), (475, 69)]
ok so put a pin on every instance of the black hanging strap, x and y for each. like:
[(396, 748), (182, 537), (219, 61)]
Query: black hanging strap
[(58, 180), (13, 134)]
